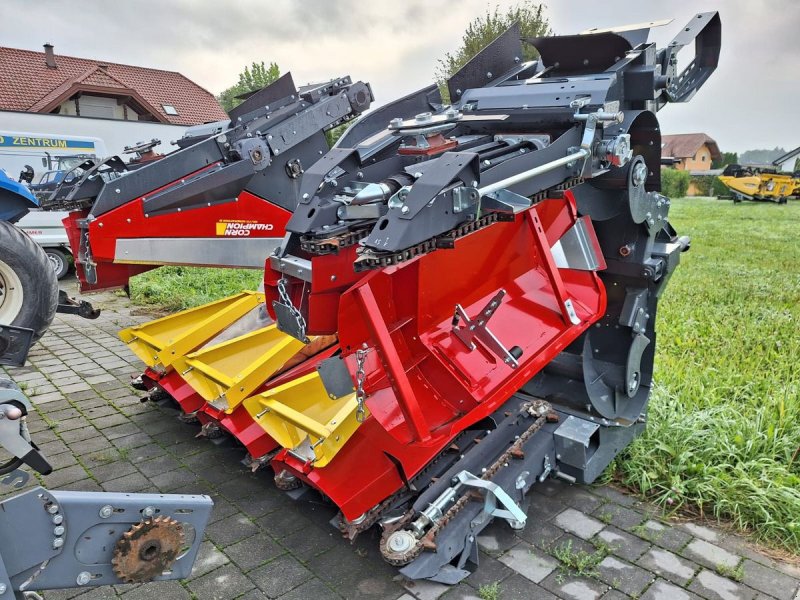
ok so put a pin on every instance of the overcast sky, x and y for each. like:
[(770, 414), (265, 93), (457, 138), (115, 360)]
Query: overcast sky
[(752, 101)]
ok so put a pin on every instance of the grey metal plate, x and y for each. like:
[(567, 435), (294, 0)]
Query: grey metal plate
[(246, 253), (335, 377)]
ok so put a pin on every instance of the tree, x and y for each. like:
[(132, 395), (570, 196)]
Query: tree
[(483, 30), (727, 158), (253, 78)]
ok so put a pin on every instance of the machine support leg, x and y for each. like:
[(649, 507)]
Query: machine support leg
[(540, 239), (391, 360)]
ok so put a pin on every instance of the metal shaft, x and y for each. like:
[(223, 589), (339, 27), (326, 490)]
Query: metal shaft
[(530, 173)]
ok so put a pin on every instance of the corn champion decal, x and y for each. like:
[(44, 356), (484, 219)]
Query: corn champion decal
[(239, 228)]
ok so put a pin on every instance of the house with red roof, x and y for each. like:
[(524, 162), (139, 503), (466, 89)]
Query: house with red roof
[(45, 97), (689, 151), (41, 82)]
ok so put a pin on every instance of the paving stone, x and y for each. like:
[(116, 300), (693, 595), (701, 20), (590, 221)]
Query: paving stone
[(231, 530), (715, 587), (167, 482), (280, 575), (529, 562), (119, 431), (670, 538), (133, 441), (112, 470), (662, 590), (710, 555), (159, 464), (62, 477), (701, 531), (45, 398), (576, 522), (572, 543), (668, 565), (258, 506), (540, 533), (619, 516), (135, 482), (80, 386), (310, 589), (623, 544), (518, 587), (615, 595), (579, 498), (163, 590), (544, 507), (110, 420), (497, 538), (311, 541), (222, 584), (208, 559), (769, 581), (424, 590), (254, 551), (624, 576), (100, 378), (70, 424), (574, 588), (353, 577), (490, 570)]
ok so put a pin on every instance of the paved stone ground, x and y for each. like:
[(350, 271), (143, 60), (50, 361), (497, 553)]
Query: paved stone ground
[(260, 544)]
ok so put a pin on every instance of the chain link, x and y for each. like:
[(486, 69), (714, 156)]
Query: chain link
[(285, 300), (361, 358)]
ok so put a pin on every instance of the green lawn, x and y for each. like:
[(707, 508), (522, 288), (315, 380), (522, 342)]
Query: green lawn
[(175, 288), (724, 423)]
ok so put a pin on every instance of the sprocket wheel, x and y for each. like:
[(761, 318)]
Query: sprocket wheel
[(286, 482), (147, 549), (399, 547)]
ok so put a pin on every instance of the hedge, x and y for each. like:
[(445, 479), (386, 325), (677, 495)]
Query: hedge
[(674, 183)]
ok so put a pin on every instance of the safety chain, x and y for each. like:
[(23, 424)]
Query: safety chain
[(361, 358), (286, 301)]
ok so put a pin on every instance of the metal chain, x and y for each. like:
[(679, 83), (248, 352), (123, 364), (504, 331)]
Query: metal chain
[(298, 316), (87, 256), (361, 357)]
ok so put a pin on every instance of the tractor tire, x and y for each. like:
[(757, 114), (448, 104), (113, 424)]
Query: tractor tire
[(28, 284), (58, 260)]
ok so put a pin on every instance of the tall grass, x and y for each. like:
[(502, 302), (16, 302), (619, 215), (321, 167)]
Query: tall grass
[(724, 423), (176, 288)]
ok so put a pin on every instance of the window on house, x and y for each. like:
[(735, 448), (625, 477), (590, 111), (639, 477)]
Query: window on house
[(169, 109), (703, 158)]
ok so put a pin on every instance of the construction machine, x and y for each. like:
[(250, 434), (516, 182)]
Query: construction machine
[(767, 183), (463, 303), (222, 199)]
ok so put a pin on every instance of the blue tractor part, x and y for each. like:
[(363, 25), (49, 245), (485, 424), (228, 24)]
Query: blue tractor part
[(15, 199)]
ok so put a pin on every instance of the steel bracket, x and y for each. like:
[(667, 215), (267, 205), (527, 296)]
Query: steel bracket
[(511, 511), (476, 328)]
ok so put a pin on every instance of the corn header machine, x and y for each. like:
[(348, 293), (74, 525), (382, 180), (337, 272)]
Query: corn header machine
[(768, 183), (461, 297)]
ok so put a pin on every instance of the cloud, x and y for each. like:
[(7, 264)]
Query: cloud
[(750, 101)]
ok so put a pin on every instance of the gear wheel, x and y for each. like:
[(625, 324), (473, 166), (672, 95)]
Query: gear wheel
[(399, 547), (147, 549), (286, 482)]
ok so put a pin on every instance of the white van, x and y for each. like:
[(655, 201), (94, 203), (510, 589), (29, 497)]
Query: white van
[(46, 228), (45, 153)]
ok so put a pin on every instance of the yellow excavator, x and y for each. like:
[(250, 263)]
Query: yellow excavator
[(767, 183)]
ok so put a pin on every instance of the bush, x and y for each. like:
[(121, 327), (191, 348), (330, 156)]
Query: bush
[(709, 185), (674, 183)]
